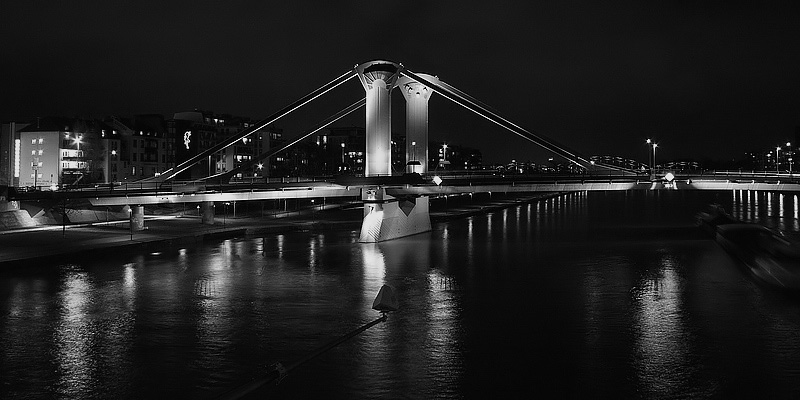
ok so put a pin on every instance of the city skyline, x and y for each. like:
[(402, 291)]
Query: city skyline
[(707, 80)]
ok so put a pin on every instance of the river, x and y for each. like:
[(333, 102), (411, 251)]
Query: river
[(599, 294)]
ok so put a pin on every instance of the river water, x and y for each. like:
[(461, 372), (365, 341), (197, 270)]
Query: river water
[(600, 295)]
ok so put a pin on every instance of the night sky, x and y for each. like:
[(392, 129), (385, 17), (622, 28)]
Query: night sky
[(705, 79)]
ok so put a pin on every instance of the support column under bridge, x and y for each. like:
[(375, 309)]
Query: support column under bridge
[(387, 217)]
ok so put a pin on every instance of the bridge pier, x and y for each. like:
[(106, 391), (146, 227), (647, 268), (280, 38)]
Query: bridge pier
[(207, 213), (387, 217), (137, 218)]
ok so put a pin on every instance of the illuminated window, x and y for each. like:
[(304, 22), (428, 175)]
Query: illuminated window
[(40, 163), (33, 141), (40, 152), (41, 140), (33, 152)]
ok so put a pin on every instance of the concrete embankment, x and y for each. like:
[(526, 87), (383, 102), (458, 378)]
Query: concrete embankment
[(75, 242)]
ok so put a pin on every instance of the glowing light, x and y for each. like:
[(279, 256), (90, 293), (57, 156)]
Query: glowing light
[(16, 157), (187, 138), (437, 180), (669, 177)]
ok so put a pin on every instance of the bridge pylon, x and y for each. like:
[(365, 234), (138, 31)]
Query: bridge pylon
[(378, 79), (417, 96)]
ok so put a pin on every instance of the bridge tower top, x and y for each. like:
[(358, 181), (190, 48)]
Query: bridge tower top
[(370, 73)]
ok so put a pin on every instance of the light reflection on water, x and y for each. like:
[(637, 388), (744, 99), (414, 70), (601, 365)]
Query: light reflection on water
[(582, 295), (774, 210)]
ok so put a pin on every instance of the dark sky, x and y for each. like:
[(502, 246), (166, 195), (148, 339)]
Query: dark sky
[(705, 78)]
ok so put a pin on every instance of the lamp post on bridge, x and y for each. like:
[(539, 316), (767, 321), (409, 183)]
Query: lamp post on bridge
[(778, 160)]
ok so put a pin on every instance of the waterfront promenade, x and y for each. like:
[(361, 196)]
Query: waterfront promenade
[(53, 243)]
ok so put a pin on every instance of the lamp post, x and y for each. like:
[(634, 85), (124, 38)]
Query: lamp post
[(777, 160), (342, 152), (649, 157), (655, 145), (791, 156)]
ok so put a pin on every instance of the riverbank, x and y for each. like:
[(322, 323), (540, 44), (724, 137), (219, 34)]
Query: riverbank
[(45, 244)]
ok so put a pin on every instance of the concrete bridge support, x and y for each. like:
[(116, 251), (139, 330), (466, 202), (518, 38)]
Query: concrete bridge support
[(417, 96), (207, 213), (386, 217), (137, 218), (378, 79)]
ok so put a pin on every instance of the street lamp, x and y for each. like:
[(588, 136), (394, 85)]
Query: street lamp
[(777, 159), (791, 156), (649, 157), (342, 152), (655, 145)]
